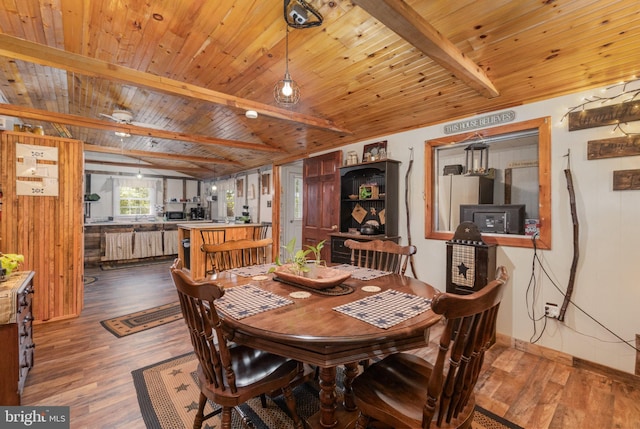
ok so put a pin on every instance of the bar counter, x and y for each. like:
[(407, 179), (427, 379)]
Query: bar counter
[(195, 263)]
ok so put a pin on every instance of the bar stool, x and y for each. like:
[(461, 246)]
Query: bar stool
[(260, 231), (211, 237)]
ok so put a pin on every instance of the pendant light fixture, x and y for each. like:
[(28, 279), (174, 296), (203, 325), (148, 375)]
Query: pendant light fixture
[(286, 91)]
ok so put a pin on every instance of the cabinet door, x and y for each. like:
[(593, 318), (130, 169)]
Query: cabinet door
[(320, 212)]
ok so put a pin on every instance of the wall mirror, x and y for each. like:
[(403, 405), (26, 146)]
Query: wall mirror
[(498, 178)]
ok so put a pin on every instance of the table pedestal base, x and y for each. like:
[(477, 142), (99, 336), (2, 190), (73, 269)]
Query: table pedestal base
[(343, 419)]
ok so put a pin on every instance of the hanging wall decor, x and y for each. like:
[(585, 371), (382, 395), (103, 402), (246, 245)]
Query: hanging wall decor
[(613, 147), (240, 188), (265, 180), (626, 180)]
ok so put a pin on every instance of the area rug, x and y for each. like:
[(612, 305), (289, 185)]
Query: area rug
[(168, 396), (142, 320), (125, 265)]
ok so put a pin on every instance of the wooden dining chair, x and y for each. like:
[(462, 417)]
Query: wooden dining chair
[(238, 253), (211, 237), (384, 255), (229, 374), (404, 390)]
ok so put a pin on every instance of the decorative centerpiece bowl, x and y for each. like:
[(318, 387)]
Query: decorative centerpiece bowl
[(322, 278)]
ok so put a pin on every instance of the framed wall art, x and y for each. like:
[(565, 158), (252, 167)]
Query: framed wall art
[(240, 188), (374, 151), (265, 180)]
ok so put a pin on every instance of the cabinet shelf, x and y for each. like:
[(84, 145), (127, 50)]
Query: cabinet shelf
[(384, 176), (354, 212)]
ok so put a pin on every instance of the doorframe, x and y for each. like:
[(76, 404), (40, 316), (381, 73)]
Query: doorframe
[(277, 200)]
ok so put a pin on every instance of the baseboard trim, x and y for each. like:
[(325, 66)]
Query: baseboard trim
[(566, 359)]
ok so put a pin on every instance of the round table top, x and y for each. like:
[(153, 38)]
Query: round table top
[(311, 330)]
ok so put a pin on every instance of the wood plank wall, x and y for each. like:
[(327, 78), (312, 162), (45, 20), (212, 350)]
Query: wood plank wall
[(47, 230)]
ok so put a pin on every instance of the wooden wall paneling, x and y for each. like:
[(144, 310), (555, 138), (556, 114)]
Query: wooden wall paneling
[(47, 230)]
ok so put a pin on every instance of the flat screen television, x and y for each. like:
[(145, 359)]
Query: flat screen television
[(495, 218)]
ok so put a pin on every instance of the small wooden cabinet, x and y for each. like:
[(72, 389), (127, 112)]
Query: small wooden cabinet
[(16, 337), (471, 263)]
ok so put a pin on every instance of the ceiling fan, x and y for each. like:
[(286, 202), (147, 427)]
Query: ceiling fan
[(125, 117)]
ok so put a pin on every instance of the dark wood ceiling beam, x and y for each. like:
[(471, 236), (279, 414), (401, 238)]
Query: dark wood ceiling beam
[(14, 47), (408, 24), (81, 121), (170, 156)]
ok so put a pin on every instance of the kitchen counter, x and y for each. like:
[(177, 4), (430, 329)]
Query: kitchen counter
[(194, 261), (145, 222)]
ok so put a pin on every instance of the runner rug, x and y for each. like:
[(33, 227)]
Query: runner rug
[(168, 396), (142, 320)]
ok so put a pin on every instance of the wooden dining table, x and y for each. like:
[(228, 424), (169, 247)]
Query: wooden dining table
[(312, 331)]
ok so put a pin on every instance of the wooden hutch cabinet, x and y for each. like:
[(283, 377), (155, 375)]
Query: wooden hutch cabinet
[(369, 195)]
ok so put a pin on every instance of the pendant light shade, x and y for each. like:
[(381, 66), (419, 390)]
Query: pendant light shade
[(286, 91)]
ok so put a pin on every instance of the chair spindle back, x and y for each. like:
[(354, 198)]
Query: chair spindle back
[(197, 301), (381, 255), (469, 330)]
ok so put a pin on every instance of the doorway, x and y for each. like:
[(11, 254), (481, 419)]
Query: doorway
[(291, 203)]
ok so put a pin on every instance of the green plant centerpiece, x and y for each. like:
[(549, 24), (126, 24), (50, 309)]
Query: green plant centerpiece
[(8, 263), (296, 260), (298, 269)]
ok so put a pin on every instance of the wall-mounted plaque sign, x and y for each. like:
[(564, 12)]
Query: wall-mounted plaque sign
[(603, 116), (614, 147), (626, 180), (481, 122), (39, 165)]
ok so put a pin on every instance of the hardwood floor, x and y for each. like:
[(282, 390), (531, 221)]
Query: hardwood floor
[(80, 364)]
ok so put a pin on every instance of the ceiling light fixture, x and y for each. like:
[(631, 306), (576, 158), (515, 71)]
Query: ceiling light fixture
[(300, 14), (286, 91), (139, 175), (251, 114)]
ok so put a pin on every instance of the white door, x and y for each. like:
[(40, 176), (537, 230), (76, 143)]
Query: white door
[(291, 209)]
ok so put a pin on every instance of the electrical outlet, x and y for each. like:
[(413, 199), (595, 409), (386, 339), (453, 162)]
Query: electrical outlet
[(551, 310)]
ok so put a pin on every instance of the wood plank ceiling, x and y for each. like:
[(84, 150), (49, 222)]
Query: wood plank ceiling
[(188, 70)]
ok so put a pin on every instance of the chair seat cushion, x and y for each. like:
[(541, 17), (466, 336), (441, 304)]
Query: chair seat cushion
[(395, 387), (253, 366)]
